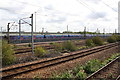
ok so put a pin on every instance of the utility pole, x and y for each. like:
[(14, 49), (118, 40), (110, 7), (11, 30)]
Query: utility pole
[(84, 31), (31, 24), (97, 31), (115, 31), (8, 29), (20, 30), (1, 29), (67, 28), (32, 33), (35, 21), (104, 31), (42, 30), (1, 33)]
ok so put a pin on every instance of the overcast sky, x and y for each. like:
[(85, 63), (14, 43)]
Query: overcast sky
[(55, 15)]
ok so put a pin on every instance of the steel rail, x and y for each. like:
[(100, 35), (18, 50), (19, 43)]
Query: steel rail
[(103, 68), (70, 57)]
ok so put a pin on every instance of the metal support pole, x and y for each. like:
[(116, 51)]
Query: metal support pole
[(42, 31), (115, 31), (97, 31), (8, 29), (20, 30), (104, 31), (1, 29), (84, 31), (35, 21), (1, 33), (32, 34), (67, 30)]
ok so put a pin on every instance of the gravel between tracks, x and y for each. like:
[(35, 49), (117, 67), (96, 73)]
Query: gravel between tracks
[(47, 72)]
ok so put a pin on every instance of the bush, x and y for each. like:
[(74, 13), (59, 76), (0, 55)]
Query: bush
[(40, 51), (98, 40), (70, 46), (7, 53), (117, 37), (57, 46), (81, 75), (111, 39), (92, 66), (79, 72), (89, 42)]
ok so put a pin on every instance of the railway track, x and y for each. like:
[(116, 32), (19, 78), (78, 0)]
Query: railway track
[(10, 72), (29, 49), (39, 43), (103, 69)]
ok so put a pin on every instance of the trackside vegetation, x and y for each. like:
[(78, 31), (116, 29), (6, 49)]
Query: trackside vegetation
[(95, 41), (113, 38), (89, 42), (40, 51), (57, 46), (7, 53), (82, 71), (69, 45), (98, 41)]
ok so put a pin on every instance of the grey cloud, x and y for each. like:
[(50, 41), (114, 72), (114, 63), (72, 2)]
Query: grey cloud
[(10, 10), (58, 20), (14, 8), (49, 7), (97, 15)]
